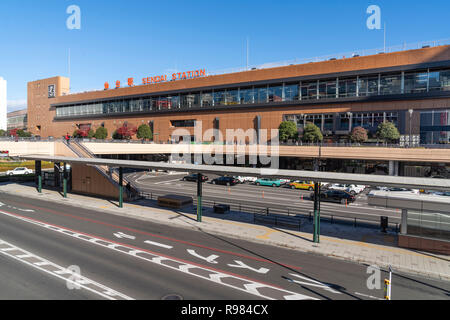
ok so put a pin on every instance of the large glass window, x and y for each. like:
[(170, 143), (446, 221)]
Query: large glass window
[(275, 93), (232, 96), (291, 92), (391, 84), (416, 82), (327, 89), (309, 90), (207, 99), (439, 80), (261, 94), (219, 98), (174, 102), (328, 122), (190, 100), (347, 87), (247, 96), (368, 86), (315, 118)]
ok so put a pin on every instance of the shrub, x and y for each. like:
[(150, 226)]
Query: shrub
[(311, 133), (101, 133), (144, 132), (359, 134), (388, 132), (287, 130)]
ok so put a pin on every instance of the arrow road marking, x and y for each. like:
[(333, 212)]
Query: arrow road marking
[(209, 259), (123, 235), (11, 207), (312, 283), (158, 244), (240, 264)]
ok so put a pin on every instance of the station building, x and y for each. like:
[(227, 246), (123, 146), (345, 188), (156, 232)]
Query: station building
[(410, 88)]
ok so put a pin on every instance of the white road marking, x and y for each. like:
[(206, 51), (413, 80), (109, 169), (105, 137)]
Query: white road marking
[(239, 283), (123, 235), (158, 244), (368, 296), (167, 181), (312, 283), (240, 264), (210, 259), (94, 287)]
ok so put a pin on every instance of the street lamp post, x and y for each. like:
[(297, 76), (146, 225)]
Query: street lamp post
[(410, 125)]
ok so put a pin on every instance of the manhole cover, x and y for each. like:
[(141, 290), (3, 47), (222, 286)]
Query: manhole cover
[(172, 296)]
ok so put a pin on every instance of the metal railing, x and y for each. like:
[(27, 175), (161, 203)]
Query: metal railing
[(287, 216)]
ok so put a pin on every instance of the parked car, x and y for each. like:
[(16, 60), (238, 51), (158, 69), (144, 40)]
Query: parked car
[(304, 185), (227, 181), (350, 188), (269, 182), (338, 196), (19, 171), (194, 177), (243, 179)]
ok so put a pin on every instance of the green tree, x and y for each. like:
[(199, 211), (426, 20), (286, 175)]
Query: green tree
[(287, 130), (144, 132), (101, 133), (388, 132), (91, 133), (359, 134), (117, 136), (311, 133), (2, 133)]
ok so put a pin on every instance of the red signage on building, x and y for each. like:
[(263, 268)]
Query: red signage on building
[(163, 78)]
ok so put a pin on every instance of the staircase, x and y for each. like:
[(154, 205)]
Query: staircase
[(110, 174)]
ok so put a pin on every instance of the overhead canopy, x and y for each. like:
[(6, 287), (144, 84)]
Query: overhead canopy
[(320, 176)]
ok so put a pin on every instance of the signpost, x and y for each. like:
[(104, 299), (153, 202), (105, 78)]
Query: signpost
[(387, 286)]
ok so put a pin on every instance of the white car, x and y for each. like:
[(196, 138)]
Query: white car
[(19, 171), (243, 179), (350, 188)]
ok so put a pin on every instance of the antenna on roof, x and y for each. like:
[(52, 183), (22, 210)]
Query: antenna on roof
[(247, 55)]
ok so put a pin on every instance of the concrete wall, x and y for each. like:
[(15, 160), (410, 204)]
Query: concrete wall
[(87, 180), (363, 153), (28, 148)]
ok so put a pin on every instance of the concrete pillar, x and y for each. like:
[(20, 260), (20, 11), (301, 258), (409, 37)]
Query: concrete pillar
[(404, 222), (393, 168)]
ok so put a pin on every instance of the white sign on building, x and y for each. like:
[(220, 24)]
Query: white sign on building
[(3, 104)]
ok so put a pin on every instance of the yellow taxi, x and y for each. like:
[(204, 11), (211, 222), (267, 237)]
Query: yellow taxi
[(305, 185)]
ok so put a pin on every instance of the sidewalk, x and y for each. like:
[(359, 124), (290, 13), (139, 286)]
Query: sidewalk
[(361, 245)]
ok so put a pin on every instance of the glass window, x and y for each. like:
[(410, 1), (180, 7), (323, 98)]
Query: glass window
[(232, 97), (368, 86), (163, 103), (219, 98), (261, 94), (275, 93), (247, 95), (207, 99), (416, 82), (344, 121), (327, 89), (148, 104), (440, 80), (328, 121), (126, 106), (291, 92), (309, 90), (347, 88), (174, 102), (154, 103), (391, 84)]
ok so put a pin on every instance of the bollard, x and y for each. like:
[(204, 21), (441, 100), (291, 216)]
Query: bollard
[(346, 203)]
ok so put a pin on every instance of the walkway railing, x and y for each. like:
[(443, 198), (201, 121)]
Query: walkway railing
[(283, 215)]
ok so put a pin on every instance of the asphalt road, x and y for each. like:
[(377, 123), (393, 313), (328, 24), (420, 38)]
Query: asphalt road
[(124, 258), (278, 200)]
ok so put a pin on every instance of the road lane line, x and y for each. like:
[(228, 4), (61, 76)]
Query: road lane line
[(81, 281), (158, 244), (168, 238), (241, 283)]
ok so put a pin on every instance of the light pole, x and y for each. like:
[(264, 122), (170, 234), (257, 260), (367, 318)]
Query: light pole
[(410, 125)]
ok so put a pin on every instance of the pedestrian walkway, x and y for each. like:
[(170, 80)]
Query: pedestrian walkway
[(361, 245)]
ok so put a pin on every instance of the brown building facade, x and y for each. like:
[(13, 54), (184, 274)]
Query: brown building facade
[(410, 88)]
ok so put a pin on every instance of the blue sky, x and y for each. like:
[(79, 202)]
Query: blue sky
[(139, 38)]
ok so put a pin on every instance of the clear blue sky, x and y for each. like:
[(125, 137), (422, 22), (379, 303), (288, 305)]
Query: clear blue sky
[(137, 38)]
